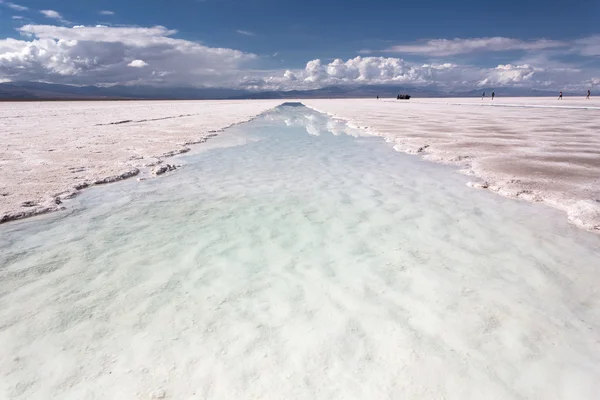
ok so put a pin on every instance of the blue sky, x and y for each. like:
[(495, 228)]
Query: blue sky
[(276, 44)]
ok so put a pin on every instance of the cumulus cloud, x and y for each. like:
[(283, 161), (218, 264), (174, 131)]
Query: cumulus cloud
[(14, 6), (510, 75), (449, 47), (138, 64), (106, 12), (289, 76), (154, 55), (439, 76), (101, 55), (361, 70), (245, 33), (314, 71)]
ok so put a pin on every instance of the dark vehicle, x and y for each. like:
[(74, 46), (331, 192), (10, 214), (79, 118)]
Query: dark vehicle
[(403, 97)]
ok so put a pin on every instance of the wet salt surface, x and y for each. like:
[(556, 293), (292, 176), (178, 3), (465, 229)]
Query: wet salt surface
[(294, 260), (520, 147)]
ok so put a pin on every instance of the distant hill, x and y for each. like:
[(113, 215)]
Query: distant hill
[(334, 92), (508, 92), (12, 91), (48, 91)]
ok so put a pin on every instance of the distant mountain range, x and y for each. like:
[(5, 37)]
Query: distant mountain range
[(48, 91), (14, 91)]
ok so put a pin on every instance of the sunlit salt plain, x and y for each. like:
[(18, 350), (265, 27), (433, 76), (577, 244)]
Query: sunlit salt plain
[(293, 258)]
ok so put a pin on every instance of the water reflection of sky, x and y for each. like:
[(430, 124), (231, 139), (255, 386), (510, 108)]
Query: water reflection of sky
[(315, 123)]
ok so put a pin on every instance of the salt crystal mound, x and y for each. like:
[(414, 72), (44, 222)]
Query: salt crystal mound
[(537, 149), (282, 263), (52, 150)]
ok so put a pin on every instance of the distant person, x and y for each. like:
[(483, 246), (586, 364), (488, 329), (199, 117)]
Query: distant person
[(589, 94), (398, 97), (493, 94), (483, 95), (377, 97), (560, 96)]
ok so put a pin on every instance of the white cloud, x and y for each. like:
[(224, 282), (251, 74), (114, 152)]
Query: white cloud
[(14, 6), (53, 14), (314, 71), (364, 70), (17, 17), (589, 46), (289, 75), (101, 55), (245, 33), (448, 47), (446, 76), (132, 36), (509, 75), (138, 64), (153, 55), (106, 12), (439, 66)]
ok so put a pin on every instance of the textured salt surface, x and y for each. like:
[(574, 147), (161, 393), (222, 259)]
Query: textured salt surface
[(50, 150), (538, 149), (292, 261)]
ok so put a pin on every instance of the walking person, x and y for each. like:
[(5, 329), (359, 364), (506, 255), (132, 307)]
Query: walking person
[(588, 96), (483, 95), (560, 96), (493, 94)]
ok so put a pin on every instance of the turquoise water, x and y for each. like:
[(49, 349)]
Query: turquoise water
[(291, 257)]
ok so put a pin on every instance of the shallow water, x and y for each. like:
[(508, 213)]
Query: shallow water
[(293, 258)]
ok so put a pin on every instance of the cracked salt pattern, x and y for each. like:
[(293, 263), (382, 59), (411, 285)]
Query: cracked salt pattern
[(291, 259)]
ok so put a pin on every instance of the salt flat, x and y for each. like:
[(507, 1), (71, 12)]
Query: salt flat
[(48, 149), (298, 258), (539, 149)]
